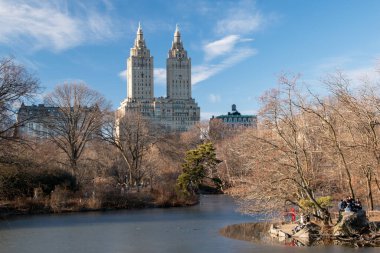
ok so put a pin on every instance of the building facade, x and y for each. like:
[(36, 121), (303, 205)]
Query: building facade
[(235, 119), (34, 119), (178, 111)]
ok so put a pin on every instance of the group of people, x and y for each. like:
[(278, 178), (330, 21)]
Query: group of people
[(349, 205)]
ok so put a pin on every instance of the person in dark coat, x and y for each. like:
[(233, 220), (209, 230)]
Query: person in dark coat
[(358, 205), (341, 206)]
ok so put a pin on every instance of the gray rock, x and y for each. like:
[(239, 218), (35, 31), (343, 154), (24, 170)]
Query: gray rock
[(352, 223), (308, 231)]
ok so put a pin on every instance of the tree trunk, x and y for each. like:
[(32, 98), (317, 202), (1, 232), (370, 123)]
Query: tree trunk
[(326, 217), (74, 167), (369, 190)]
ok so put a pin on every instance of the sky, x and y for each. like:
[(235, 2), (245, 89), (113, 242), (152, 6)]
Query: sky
[(238, 47)]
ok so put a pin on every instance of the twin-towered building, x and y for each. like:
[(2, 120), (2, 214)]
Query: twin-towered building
[(178, 111)]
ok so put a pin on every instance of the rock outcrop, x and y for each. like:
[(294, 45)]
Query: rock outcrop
[(309, 231), (351, 224)]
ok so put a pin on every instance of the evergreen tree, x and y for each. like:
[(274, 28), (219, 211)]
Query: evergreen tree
[(199, 163)]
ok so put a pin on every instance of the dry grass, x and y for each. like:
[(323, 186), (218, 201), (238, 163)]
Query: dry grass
[(374, 215), (62, 200)]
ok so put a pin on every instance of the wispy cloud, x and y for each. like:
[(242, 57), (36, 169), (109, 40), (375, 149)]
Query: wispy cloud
[(243, 18), (214, 98), (228, 50), (52, 24), (205, 71), (333, 63), (363, 74), (222, 46), (358, 72), (232, 45)]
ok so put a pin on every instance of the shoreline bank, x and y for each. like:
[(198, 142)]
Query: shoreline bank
[(26, 207)]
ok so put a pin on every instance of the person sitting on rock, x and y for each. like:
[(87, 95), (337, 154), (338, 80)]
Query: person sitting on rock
[(341, 206), (358, 205), (349, 207), (351, 201)]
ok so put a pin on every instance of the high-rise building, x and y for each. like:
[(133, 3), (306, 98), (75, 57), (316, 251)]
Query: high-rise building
[(140, 70), (178, 111), (178, 70)]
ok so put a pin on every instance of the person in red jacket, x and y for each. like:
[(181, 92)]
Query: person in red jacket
[(293, 214)]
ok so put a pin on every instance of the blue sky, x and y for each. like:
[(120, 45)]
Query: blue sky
[(238, 48)]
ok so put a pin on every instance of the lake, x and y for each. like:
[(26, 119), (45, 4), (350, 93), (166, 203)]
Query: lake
[(184, 230)]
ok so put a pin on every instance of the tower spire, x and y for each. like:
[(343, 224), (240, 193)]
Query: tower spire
[(139, 42), (139, 29), (177, 35)]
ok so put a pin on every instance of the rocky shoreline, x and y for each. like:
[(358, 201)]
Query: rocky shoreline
[(354, 230)]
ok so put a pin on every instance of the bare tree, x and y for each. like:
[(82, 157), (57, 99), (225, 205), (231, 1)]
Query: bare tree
[(360, 109), (133, 136), (278, 161), (308, 148), (218, 130), (16, 86), (78, 120), (331, 119)]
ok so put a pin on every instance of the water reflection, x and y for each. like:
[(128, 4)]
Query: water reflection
[(185, 230), (259, 233)]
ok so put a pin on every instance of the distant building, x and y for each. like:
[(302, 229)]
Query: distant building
[(235, 119), (33, 120), (41, 122), (178, 111)]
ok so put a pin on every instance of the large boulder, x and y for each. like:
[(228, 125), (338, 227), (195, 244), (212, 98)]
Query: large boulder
[(352, 223), (310, 230)]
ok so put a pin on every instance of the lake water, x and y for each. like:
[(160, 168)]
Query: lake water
[(183, 230)]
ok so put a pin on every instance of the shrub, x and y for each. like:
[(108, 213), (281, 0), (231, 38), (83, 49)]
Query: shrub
[(19, 182)]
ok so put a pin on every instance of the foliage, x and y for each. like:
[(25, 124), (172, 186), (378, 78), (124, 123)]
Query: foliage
[(309, 206), (217, 182), (199, 163), (19, 182)]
